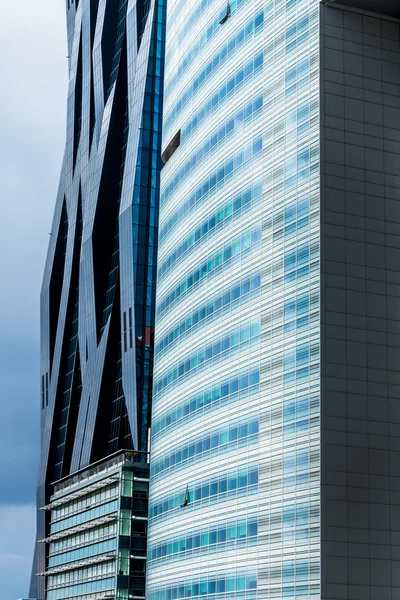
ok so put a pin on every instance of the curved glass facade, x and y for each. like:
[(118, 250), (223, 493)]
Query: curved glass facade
[(235, 477)]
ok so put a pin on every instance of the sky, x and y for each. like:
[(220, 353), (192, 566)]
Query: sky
[(34, 77)]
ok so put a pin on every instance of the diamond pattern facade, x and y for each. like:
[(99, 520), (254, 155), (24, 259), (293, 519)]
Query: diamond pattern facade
[(98, 294)]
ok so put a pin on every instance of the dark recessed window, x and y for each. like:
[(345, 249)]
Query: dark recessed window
[(45, 390), (124, 319), (172, 146), (130, 329), (224, 14)]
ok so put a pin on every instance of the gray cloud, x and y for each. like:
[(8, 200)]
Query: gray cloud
[(17, 530), (33, 70)]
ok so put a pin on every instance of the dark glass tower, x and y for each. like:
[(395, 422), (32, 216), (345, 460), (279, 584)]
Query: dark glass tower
[(98, 294)]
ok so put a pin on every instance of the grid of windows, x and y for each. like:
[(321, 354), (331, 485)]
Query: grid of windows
[(82, 553), (204, 36), (233, 209), (102, 585), (93, 546), (299, 310), (83, 517), (225, 391), (243, 35), (215, 262), (242, 76), (239, 292), (281, 65), (300, 414), (79, 575), (244, 479), (221, 175), (99, 497), (208, 538), (220, 440), (233, 586), (81, 539), (99, 289), (192, 203), (223, 132)]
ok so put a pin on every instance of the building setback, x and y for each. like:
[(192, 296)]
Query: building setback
[(275, 446), (98, 296)]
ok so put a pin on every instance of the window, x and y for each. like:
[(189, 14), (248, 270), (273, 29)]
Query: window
[(172, 146), (225, 13), (125, 344), (45, 390), (130, 328)]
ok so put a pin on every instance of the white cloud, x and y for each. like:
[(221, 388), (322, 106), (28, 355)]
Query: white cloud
[(17, 532)]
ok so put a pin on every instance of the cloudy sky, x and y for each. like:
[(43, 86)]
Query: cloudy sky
[(33, 72)]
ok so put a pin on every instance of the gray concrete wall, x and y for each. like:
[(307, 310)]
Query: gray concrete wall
[(360, 305)]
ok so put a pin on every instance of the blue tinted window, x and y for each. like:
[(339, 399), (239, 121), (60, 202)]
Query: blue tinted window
[(229, 47), (238, 480), (242, 336), (218, 258), (210, 441)]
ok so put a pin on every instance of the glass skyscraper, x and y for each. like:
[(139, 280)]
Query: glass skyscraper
[(272, 413), (98, 307), (276, 405)]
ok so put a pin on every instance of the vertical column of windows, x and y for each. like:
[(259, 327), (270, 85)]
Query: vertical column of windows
[(224, 485), (290, 379)]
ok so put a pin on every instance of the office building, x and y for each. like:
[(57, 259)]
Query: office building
[(98, 301), (97, 537), (275, 445)]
